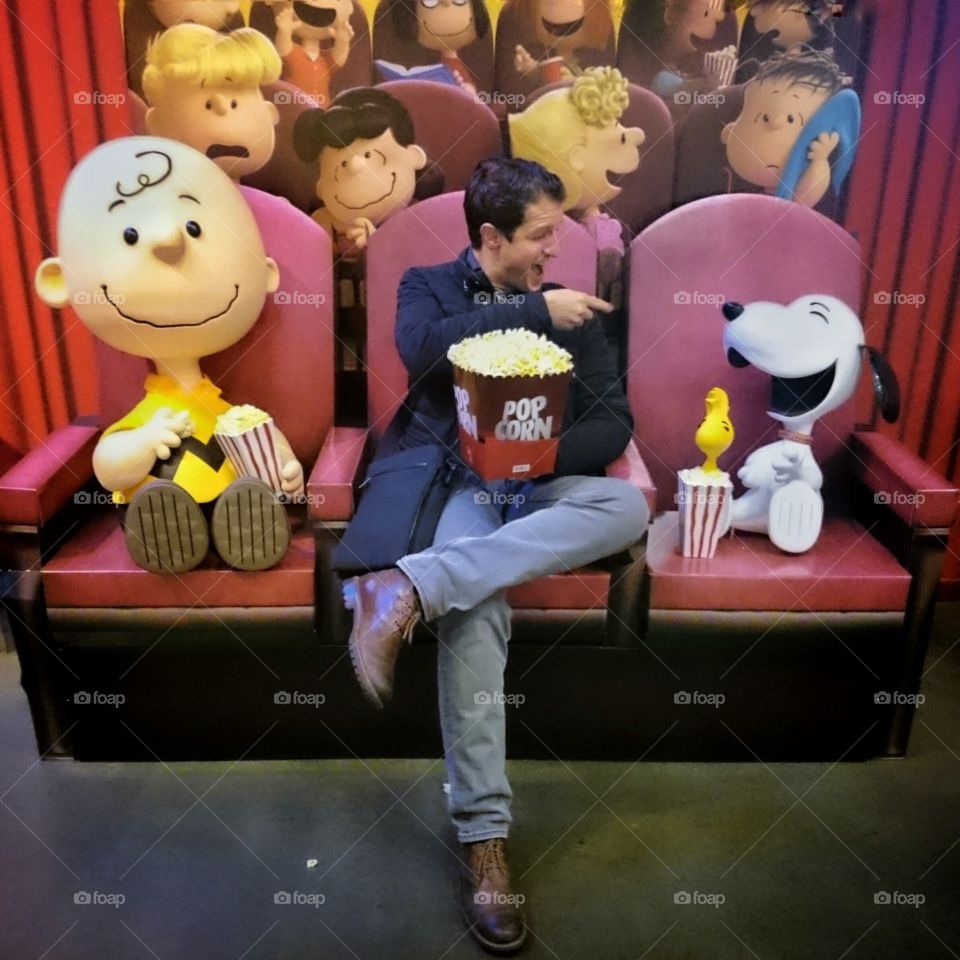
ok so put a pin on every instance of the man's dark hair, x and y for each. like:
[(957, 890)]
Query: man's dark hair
[(812, 68), (354, 115), (499, 191)]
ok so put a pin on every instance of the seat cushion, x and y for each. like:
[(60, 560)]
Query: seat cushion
[(93, 569), (846, 570), (582, 589)]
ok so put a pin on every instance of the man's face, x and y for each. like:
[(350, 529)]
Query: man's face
[(230, 123), (370, 178), (610, 149), (791, 20), (759, 141), (159, 254), (316, 19), (521, 261), (209, 13), (445, 24)]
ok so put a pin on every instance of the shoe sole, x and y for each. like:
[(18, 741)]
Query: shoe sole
[(165, 529), (351, 600), (492, 945), (250, 527)]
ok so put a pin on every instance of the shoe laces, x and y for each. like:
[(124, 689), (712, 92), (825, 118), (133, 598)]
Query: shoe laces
[(492, 857)]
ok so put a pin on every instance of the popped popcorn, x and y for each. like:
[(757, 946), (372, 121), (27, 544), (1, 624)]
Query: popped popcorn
[(510, 353), (239, 419)]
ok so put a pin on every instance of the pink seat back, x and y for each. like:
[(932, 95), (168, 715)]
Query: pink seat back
[(454, 128), (741, 247), (645, 194), (425, 234), (285, 363)]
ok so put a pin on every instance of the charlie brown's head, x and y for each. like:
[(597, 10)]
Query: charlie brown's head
[(777, 105), (159, 253), (203, 88)]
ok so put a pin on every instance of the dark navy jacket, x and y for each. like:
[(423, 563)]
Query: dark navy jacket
[(439, 306)]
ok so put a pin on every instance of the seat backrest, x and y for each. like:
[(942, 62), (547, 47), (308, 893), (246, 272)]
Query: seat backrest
[(512, 29), (428, 233), (286, 175), (740, 247), (646, 193), (455, 129), (358, 69), (285, 363), (389, 45)]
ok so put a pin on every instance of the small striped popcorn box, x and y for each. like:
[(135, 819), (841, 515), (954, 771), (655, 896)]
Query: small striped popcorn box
[(721, 64), (704, 506), (254, 452)]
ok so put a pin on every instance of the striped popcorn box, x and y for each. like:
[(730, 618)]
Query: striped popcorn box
[(720, 64), (248, 438), (704, 502)]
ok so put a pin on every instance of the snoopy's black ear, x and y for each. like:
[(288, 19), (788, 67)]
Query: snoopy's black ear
[(885, 386)]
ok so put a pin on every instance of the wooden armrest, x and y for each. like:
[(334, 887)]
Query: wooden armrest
[(336, 474), (917, 493), (44, 479)]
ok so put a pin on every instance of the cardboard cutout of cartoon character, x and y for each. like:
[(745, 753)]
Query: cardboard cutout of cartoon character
[(313, 39), (144, 19), (797, 133), (367, 163), (431, 30), (162, 258), (203, 88), (576, 133)]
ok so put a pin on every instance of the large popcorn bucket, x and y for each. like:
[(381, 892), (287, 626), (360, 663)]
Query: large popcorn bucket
[(510, 426), (254, 453), (704, 513)]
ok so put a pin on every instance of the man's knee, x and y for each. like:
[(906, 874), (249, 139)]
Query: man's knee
[(622, 503)]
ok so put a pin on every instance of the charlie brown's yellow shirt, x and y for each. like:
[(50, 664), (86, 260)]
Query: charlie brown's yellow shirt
[(198, 464)]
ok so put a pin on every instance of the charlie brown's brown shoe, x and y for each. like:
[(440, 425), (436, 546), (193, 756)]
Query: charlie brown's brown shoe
[(385, 610)]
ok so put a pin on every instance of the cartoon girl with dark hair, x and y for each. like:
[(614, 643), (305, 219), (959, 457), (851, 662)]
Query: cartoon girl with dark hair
[(413, 32)]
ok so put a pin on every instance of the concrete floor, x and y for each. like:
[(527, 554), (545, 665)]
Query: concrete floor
[(782, 861)]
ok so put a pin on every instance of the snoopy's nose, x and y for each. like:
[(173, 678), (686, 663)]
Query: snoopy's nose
[(731, 310)]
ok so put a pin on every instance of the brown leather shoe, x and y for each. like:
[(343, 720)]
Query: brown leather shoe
[(385, 610), (490, 908)]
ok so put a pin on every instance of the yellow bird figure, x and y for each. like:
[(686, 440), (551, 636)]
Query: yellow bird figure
[(715, 433)]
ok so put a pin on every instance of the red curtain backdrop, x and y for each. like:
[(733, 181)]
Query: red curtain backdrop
[(61, 89)]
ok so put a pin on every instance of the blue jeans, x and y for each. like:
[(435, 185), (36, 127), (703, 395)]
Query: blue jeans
[(490, 538)]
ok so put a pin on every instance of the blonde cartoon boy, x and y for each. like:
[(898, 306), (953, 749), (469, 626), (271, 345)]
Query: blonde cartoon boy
[(576, 133), (203, 89), (161, 258)]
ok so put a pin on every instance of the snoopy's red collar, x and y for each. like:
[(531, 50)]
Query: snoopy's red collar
[(785, 434)]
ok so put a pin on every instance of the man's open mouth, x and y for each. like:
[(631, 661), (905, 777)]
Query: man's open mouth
[(315, 16), (170, 326), (216, 150), (792, 396), (561, 29)]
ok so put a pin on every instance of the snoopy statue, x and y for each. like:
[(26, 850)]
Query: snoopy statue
[(812, 349)]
